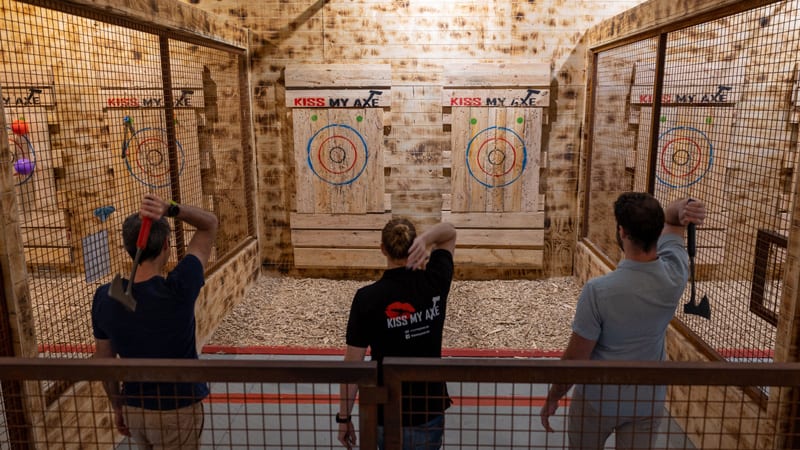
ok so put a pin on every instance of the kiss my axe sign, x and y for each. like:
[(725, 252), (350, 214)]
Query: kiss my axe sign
[(28, 96), (514, 98), (183, 98), (339, 98)]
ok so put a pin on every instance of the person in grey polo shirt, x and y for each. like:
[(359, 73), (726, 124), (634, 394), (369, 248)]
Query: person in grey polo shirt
[(623, 316)]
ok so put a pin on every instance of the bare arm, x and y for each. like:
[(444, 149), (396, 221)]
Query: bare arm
[(680, 213), (578, 348), (442, 235), (102, 349), (204, 221), (347, 398)]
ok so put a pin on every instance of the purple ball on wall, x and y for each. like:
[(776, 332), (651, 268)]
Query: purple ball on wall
[(23, 166)]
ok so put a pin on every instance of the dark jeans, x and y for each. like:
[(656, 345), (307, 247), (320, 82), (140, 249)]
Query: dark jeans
[(427, 436)]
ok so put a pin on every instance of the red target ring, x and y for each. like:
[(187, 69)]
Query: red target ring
[(150, 157), (496, 157), (680, 157), (337, 155)]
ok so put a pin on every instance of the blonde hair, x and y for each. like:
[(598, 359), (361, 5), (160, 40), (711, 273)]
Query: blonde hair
[(397, 236)]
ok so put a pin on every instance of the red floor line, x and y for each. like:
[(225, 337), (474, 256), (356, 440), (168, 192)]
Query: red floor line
[(449, 352), (305, 399)]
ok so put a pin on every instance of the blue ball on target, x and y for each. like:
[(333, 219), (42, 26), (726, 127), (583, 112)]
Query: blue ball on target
[(23, 166)]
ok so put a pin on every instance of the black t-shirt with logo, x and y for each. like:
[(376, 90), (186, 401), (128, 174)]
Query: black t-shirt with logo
[(402, 314)]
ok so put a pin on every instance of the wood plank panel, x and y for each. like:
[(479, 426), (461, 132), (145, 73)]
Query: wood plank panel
[(477, 192), (339, 221), (496, 257), (459, 175), (340, 75), (43, 219), (337, 238), (373, 177), (339, 258), (302, 129), (494, 238), (372, 258), (485, 74), (531, 220), (529, 182)]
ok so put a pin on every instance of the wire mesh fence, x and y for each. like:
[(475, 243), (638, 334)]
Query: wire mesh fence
[(709, 112), (101, 111), (496, 403)]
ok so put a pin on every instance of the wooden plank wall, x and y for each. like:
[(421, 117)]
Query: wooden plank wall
[(424, 43)]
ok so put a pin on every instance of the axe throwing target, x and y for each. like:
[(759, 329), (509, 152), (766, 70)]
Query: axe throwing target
[(496, 156), (686, 156), (24, 156), (146, 155), (337, 154)]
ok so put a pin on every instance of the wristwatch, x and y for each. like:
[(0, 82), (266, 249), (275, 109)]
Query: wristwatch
[(340, 420), (173, 210)]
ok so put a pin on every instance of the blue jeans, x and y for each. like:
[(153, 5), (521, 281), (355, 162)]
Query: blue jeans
[(427, 436)]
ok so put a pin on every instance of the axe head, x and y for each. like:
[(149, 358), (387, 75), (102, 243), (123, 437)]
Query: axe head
[(118, 293), (702, 309)]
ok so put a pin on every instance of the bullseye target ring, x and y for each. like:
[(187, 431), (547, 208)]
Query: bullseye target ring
[(146, 155), (496, 156), (685, 157), (24, 156), (337, 154)]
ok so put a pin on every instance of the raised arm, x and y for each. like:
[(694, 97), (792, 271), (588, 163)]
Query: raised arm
[(205, 223), (440, 236)]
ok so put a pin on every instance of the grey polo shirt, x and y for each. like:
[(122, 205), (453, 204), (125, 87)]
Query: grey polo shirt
[(627, 313)]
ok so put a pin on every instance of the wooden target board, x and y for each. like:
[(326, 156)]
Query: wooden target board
[(338, 123), (339, 168), (495, 140), (496, 159)]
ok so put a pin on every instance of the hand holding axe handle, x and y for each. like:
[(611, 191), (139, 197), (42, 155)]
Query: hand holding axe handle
[(115, 291), (702, 309)]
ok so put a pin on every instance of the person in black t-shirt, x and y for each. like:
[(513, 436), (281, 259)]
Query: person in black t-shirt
[(160, 415), (403, 314)]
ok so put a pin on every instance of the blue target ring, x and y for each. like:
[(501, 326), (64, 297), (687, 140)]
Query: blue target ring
[(335, 157), (20, 144), (496, 157), (686, 156)]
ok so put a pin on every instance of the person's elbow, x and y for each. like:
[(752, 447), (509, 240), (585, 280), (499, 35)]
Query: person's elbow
[(211, 225)]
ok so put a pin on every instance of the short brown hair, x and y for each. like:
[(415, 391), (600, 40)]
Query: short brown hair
[(159, 232)]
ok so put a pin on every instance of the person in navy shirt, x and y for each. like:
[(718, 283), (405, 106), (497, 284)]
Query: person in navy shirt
[(157, 415)]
